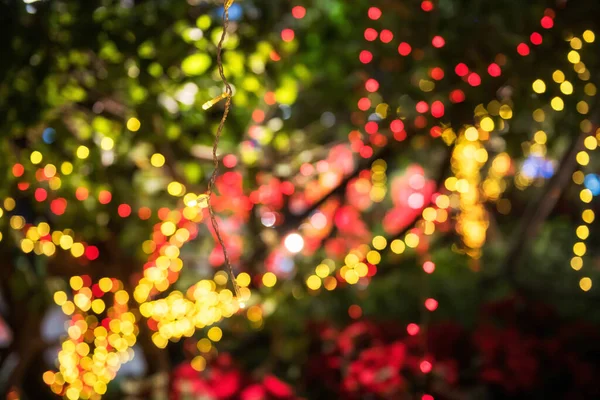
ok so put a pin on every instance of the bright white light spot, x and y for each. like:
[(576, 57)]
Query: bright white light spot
[(318, 220), (416, 181), (294, 243), (268, 219), (416, 201)]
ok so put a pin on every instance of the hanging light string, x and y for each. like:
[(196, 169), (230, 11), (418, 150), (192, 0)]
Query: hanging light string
[(227, 96)]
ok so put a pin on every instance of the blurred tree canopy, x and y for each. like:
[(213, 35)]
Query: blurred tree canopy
[(352, 126)]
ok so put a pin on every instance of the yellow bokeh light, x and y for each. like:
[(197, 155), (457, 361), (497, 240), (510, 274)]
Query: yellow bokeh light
[(322, 270), (487, 124), (586, 195), (351, 277), (411, 240), (582, 232), (585, 284), (199, 363), (77, 250), (243, 279), (557, 104), (215, 334), (313, 282), (36, 157), (176, 189), (539, 86), (66, 168), (583, 158), (573, 57), (133, 124), (107, 143), (269, 279), (588, 216), (76, 282), (82, 152), (379, 242), (374, 257), (398, 246), (558, 76), (566, 87), (590, 143), (471, 134), (579, 249), (589, 36), (157, 160), (576, 263)]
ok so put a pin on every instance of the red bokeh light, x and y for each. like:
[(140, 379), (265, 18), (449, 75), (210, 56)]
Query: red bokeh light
[(370, 34), (523, 49), (431, 304), (374, 13), (397, 125), (366, 152), (494, 70), (536, 38), (428, 267), (298, 12), (412, 329), (425, 366), (422, 107), (124, 210), (435, 131), (41, 194), (474, 79), (354, 311), (364, 104), (18, 170), (386, 36), (457, 96), (427, 397), (547, 22), (371, 127), (437, 109), (104, 197), (404, 49), (144, 213), (372, 85), (23, 185), (436, 73), (287, 35), (58, 206), (365, 56), (438, 42), (81, 193), (426, 6), (92, 252), (461, 69)]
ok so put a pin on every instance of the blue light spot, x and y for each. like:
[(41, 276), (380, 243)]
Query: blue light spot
[(49, 135), (235, 12), (592, 182), (537, 167)]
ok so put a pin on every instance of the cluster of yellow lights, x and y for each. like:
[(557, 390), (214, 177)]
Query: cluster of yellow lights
[(583, 157), (379, 181), (179, 315), (355, 263), (468, 157), (94, 350), (60, 239), (494, 184)]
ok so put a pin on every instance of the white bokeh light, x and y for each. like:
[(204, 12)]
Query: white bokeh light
[(294, 243)]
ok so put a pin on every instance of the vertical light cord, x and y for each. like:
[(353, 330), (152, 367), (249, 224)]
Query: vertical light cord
[(227, 95)]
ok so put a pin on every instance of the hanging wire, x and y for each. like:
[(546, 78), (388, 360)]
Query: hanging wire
[(227, 96)]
